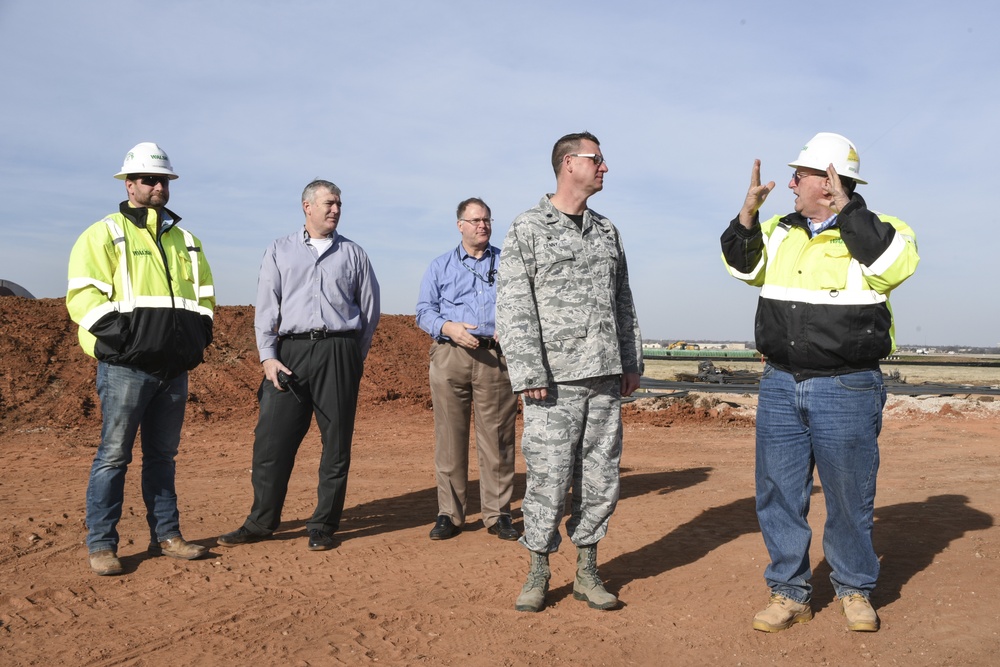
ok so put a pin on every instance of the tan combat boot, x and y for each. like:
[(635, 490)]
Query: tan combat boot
[(532, 597), (781, 613), (588, 584), (861, 616)]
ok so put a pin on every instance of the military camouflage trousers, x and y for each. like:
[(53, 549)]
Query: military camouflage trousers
[(572, 439)]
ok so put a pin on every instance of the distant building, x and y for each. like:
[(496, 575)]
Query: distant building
[(691, 345)]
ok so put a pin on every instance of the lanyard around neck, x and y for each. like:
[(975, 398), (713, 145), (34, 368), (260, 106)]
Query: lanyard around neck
[(490, 276)]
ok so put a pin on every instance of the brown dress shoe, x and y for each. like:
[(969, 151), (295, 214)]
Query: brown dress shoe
[(105, 563), (177, 547)]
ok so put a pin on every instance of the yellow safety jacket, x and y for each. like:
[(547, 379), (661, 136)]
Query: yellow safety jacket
[(142, 292), (824, 300)]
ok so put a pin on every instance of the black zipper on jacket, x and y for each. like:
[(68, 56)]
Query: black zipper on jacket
[(132, 214)]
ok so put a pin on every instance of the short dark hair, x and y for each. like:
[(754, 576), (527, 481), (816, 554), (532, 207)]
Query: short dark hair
[(569, 144), (309, 194), (462, 205)]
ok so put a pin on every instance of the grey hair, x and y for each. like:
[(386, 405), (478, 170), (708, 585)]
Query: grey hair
[(309, 194)]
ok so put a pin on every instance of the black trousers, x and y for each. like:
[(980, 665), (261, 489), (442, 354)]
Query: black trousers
[(327, 376)]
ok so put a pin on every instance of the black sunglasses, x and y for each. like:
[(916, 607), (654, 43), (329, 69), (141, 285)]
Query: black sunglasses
[(151, 181)]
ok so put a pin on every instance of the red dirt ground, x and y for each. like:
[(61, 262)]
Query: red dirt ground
[(683, 552)]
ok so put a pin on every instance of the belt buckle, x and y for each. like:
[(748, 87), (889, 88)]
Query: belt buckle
[(317, 334)]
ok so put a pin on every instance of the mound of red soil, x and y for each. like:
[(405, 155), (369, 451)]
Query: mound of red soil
[(47, 381)]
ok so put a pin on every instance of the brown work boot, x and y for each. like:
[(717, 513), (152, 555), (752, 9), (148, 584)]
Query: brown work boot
[(588, 585), (861, 616), (532, 597), (105, 563), (177, 547), (781, 613)]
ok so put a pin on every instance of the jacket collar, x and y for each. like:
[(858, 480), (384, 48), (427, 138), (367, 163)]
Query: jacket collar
[(554, 215), (796, 219), (138, 216)]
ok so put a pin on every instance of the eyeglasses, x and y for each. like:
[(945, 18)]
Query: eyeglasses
[(475, 222), (151, 181), (799, 175), (598, 159)]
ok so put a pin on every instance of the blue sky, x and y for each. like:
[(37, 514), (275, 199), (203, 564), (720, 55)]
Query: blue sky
[(411, 107)]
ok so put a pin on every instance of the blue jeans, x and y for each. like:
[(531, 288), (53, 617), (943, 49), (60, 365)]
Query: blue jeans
[(130, 399), (830, 424)]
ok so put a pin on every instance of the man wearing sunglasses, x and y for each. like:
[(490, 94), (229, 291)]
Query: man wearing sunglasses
[(567, 324), (823, 323), (141, 292), (457, 306)]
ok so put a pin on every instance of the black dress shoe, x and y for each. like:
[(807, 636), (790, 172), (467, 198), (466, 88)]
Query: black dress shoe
[(320, 541), (239, 536), (444, 528), (504, 529)]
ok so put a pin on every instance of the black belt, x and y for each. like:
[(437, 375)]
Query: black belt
[(318, 334), (488, 342), (485, 342)]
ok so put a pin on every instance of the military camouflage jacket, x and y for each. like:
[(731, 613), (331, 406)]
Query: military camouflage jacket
[(564, 306)]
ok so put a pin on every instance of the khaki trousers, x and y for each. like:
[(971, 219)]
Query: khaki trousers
[(459, 378)]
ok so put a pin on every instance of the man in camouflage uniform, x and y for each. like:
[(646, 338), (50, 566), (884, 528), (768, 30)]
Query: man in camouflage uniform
[(567, 324)]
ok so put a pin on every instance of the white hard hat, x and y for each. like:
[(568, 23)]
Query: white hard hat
[(827, 148), (146, 158)]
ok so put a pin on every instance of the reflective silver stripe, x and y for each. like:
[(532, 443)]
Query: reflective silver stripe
[(891, 254), (855, 276), (91, 318), (773, 241), (826, 297), (747, 276), (80, 283), (778, 235), (193, 253), (200, 291), (118, 237), (166, 302), (143, 302)]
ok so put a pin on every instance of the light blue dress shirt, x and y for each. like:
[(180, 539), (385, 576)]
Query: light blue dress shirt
[(457, 287)]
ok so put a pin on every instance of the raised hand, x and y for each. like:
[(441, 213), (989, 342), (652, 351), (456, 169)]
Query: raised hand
[(755, 196), (836, 198)]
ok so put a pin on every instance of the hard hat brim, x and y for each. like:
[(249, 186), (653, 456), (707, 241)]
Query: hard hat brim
[(122, 175), (802, 163)]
